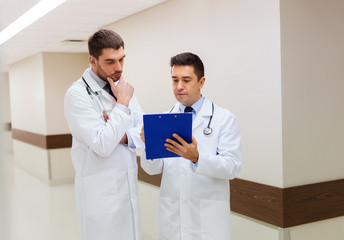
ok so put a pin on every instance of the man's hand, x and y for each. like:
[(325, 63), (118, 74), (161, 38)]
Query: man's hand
[(123, 91), (142, 134), (186, 150)]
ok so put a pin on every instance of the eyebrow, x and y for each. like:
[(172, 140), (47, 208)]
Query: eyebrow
[(112, 60), (182, 77)]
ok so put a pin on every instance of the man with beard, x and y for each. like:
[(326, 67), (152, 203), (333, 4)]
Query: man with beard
[(105, 120)]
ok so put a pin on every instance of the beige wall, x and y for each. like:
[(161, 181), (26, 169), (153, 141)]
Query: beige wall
[(27, 95), (239, 44), (312, 37), (3, 182), (39, 83), (5, 98), (148, 200), (37, 88), (251, 74), (332, 229), (5, 113), (60, 71), (312, 90)]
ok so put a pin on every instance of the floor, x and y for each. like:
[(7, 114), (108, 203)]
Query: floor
[(32, 210)]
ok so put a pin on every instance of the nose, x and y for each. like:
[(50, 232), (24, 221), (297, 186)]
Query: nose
[(180, 85), (117, 66)]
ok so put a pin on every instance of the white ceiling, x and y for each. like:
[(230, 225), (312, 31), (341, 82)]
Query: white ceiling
[(73, 20)]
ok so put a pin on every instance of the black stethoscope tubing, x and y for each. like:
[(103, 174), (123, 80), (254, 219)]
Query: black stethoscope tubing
[(88, 89), (208, 130)]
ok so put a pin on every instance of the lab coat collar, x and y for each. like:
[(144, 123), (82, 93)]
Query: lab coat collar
[(205, 112), (95, 86), (90, 81)]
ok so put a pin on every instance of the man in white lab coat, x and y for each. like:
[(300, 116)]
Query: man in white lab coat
[(105, 120), (194, 192)]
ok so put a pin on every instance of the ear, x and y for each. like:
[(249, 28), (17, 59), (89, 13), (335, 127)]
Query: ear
[(92, 60), (201, 82)]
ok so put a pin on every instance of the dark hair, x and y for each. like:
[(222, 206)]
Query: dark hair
[(189, 59), (103, 38)]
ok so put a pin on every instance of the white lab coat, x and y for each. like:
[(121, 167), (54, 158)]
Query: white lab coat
[(106, 171), (194, 201)]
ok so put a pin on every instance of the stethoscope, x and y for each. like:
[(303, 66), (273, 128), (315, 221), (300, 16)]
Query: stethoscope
[(90, 92), (208, 130), (88, 89)]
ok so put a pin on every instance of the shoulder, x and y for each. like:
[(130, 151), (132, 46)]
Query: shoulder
[(223, 114), (223, 110), (77, 92), (76, 87)]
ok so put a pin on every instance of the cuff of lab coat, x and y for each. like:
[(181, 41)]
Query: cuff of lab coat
[(123, 108), (130, 140), (194, 165)]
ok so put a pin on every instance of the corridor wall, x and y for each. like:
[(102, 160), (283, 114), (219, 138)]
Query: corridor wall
[(262, 61)]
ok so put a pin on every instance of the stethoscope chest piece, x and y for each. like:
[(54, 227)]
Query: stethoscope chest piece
[(207, 130)]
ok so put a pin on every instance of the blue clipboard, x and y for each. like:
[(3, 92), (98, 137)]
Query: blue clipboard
[(158, 127)]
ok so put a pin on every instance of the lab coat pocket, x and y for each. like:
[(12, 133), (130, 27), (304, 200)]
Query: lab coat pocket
[(100, 193), (215, 220), (208, 145)]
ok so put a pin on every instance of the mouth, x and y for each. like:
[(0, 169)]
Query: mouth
[(116, 76)]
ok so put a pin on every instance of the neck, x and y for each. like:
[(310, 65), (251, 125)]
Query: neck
[(189, 105), (95, 73)]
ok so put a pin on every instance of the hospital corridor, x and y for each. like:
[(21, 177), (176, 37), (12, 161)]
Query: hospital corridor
[(35, 210), (259, 82)]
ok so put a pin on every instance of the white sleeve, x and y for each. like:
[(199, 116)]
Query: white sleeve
[(87, 123), (226, 163), (133, 134), (151, 167)]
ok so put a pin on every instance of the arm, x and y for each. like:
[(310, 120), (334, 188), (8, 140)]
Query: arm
[(86, 123), (151, 167), (226, 164), (133, 133)]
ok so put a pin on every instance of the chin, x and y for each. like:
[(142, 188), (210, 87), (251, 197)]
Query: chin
[(179, 98)]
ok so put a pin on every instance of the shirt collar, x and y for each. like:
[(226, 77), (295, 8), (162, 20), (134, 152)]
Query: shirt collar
[(196, 106), (100, 81)]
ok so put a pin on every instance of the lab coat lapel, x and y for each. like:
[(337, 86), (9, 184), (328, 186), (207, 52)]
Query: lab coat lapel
[(91, 82), (95, 87), (175, 108), (203, 114)]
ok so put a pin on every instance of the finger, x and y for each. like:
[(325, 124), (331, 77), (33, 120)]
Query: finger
[(181, 140), (171, 142), (121, 79), (111, 82), (116, 82), (171, 148)]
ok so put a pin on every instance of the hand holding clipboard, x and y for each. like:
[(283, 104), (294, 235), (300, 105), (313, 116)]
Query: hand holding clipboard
[(159, 127)]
